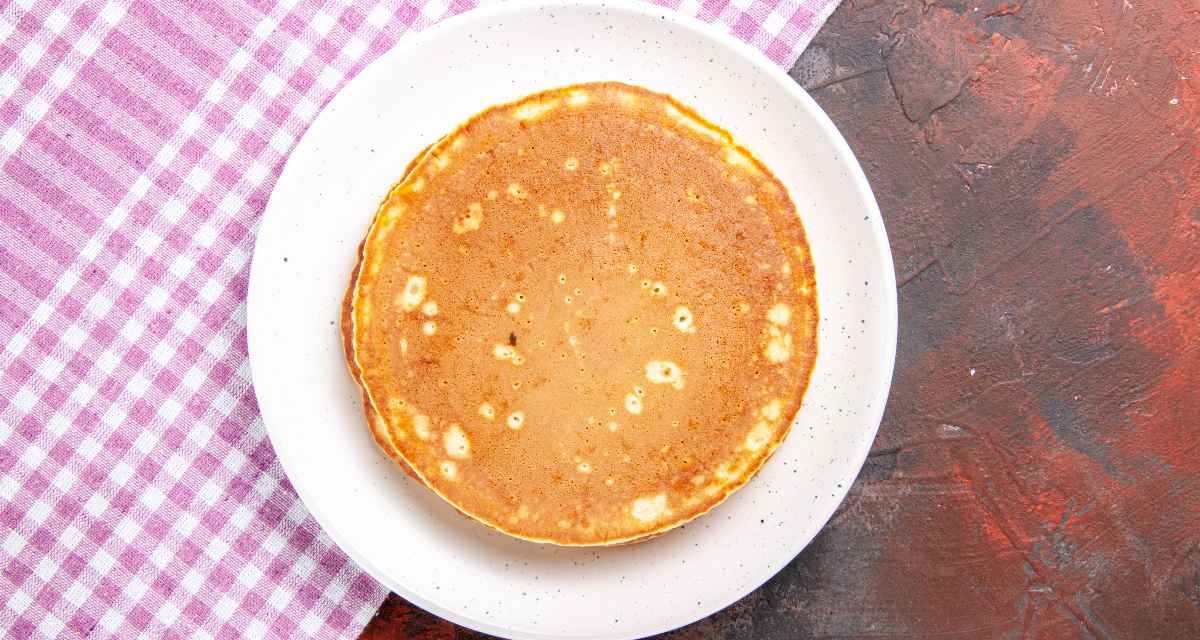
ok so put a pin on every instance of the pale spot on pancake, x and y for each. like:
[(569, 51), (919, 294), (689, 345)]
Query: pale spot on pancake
[(506, 352), (557, 216), (513, 307), (613, 192), (609, 482), (563, 523), (633, 268), (779, 348), (562, 278), (613, 425), (571, 164), (534, 110), (750, 200), (626, 98), (542, 211), (458, 143), (692, 123), (773, 409), (650, 508), (698, 479), (449, 469), (420, 424), (516, 191), (604, 169), (658, 289), (416, 185), (779, 314), (487, 411), (404, 346), (683, 320), (804, 290), (743, 307), (493, 194), (430, 308), (612, 210), (735, 157), (516, 419), (470, 220), (567, 299), (414, 292), (633, 404), (664, 372), (692, 195), (577, 98), (584, 467), (456, 442), (786, 268), (441, 162), (429, 328), (759, 436)]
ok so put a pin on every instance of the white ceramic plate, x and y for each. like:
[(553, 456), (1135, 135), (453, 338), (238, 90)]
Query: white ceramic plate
[(398, 531)]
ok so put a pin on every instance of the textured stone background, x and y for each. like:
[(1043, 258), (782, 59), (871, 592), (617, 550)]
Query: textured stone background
[(1037, 473)]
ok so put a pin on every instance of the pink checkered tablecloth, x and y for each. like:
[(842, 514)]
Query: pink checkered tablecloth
[(139, 141)]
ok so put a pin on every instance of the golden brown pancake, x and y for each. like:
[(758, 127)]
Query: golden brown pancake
[(585, 317)]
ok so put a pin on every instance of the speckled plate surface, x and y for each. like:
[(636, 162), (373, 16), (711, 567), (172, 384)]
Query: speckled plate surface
[(408, 538)]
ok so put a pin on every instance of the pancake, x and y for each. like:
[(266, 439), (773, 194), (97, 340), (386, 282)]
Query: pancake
[(583, 318)]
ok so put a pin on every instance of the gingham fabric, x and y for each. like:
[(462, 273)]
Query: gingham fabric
[(139, 495)]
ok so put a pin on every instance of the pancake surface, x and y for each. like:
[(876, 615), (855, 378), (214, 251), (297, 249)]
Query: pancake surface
[(584, 317)]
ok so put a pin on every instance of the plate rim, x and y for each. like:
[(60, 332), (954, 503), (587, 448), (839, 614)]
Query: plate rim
[(888, 315)]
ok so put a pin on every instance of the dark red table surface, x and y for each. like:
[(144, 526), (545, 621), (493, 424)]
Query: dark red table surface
[(1037, 472)]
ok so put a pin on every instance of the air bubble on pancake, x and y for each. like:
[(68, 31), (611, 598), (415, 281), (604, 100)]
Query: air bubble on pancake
[(456, 442), (487, 411), (562, 278), (420, 424), (534, 110), (508, 353), (664, 372), (648, 509), (429, 328), (413, 294), (584, 467), (516, 191), (759, 436), (779, 314), (519, 297), (470, 220), (571, 164), (683, 319), (658, 289), (604, 168), (515, 419), (779, 348), (633, 404), (567, 299), (557, 216), (430, 308), (449, 469), (633, 268)]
